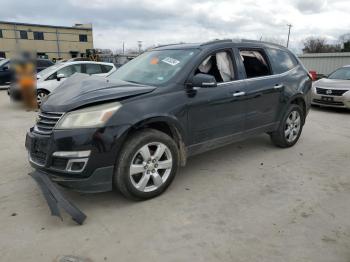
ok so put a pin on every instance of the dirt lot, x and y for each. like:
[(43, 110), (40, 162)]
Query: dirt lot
[(245, 202)]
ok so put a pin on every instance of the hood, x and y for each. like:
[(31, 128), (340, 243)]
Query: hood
[(333, 83), (81, 89)]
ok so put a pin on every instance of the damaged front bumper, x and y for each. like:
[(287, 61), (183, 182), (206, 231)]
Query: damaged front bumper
[(55, 199)]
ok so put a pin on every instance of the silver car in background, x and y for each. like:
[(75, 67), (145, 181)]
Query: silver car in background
[(333, 91)]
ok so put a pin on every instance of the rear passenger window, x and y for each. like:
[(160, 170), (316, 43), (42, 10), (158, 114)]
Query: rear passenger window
[(93, 69), (106, 68), (255, 63), (281, 61)]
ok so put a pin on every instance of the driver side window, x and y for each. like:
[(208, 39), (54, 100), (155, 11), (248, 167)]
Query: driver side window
[(219, 65)]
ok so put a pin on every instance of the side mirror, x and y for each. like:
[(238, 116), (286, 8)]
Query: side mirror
[(60, 76), (5, 68), (204, 81)]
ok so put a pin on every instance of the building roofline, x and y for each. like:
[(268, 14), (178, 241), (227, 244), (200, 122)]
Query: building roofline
[(51, 26), (315, 55)]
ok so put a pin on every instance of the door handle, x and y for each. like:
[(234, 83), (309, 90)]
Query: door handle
[(238, 94), (278, 86)]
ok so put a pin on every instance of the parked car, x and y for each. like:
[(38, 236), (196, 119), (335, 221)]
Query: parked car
[(42, 64), (5, 73), (334, 90), (50, 78), (133, 129)]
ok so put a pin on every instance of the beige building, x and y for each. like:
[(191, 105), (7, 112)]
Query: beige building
[(46, 40)]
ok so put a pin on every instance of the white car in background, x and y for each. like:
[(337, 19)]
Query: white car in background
[(334, 90), (50, 78)]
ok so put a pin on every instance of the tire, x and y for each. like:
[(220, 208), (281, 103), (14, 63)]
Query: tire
[(280, 137), (40, 95), (152, 166)]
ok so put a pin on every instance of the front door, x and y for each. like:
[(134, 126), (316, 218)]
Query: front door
[(216, 114)]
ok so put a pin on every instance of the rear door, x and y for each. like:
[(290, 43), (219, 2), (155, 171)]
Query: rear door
[(263, 90)]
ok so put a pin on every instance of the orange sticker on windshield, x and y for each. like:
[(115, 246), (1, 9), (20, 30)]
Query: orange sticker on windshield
[(154, 61)]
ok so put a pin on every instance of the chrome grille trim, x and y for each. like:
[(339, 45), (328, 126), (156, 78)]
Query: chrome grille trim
[(47, 121)]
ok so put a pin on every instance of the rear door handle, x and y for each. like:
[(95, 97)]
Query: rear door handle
[(238, 94), (278, 86)]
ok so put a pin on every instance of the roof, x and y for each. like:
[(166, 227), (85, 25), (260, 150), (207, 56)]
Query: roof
[(77, 26), (240, 42), (314, 55)]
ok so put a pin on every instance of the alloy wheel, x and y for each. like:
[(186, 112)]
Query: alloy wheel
[(39, 97), (292, 126), (151, 166)]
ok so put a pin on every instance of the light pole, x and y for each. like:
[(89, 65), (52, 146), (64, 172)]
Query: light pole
[(289, 28), (140, 46)]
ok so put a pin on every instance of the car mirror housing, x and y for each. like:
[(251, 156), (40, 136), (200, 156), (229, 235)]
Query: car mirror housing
[(60, 76), (204, 81)]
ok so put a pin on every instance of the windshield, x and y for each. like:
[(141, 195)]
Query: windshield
[(3, 62), (342, 74), (154, 67), (49, 70)]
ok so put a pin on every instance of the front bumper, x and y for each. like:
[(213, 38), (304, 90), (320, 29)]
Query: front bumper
[(342, 101), (57, 156)]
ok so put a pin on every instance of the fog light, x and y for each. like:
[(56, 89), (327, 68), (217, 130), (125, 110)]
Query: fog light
[(76, 165)]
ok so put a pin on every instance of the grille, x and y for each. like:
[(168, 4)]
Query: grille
[(334, 92), (46, 122), (38, 157), (335, 103)]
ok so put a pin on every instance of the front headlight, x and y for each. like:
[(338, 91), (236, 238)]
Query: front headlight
[(94, 116)]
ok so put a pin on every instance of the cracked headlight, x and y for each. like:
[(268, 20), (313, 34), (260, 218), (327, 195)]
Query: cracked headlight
[(93, 116)]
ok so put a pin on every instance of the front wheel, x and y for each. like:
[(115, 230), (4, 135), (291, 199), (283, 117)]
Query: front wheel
[(290, 127), (147, 164), (40, 96)]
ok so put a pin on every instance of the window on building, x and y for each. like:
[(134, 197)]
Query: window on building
[(281, 61), (255, 63), (23, 34), (2, 54), (82, 38), (38, 35), (1, 33)]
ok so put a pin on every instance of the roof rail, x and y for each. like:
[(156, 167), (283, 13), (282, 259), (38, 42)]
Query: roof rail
[(217, 41)]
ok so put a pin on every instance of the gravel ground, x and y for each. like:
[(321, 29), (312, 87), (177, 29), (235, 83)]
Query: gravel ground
[(248, 201)]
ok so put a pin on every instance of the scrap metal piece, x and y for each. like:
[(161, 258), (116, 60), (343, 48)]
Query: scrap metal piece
[(55, 199)]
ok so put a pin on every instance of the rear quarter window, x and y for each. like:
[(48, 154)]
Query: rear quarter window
[(281, 61)]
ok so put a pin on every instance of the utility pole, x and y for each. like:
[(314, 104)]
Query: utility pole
[(123, 47), (289, 28), (140, 46)]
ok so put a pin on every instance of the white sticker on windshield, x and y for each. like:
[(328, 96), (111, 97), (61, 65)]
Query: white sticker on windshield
[(171, 61)]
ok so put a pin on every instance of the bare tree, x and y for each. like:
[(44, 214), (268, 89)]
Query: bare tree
[(319, 45)]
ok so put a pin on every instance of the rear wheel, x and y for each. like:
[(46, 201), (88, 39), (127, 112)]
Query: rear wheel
[(147, 165), (290, 127)]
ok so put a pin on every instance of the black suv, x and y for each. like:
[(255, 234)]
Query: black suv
[(133, 129)]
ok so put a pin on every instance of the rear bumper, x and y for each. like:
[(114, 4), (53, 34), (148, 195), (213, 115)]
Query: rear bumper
[(342, 101)]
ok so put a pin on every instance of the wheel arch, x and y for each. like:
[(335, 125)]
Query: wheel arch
[(299, 100), (167, 125)]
